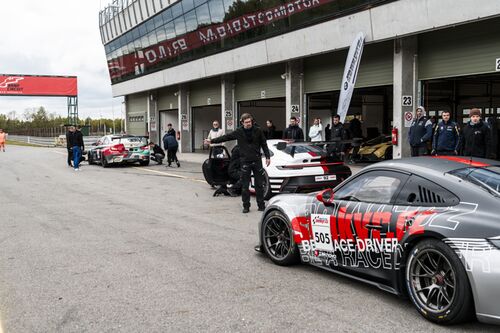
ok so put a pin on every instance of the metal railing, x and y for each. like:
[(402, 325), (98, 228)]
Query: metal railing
[(49, 142)]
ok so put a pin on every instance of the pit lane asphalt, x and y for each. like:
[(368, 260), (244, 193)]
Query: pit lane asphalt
[(130, 249)]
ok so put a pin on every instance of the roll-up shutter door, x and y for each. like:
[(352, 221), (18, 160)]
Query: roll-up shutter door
[(167, 99), (136, 114), (324, 72), (260, 83), (206, 92), (464, 50)]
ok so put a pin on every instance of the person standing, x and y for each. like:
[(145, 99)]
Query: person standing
[(355, 127), (293, 131), (171, 146), (316, 131), (69, 147), (270, 132), (420, 132), (216, 132), (3, 139), (76, 144), (170, 130), (476, 136), (446, 139), (251, 141)]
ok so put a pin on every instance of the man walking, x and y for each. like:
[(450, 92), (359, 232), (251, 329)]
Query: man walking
[(3, 138), (251, 140), (446, 137), (316, 131), (293, 131), (420, 132), (476, 136)]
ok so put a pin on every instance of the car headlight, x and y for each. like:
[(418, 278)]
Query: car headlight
[(495, 241)]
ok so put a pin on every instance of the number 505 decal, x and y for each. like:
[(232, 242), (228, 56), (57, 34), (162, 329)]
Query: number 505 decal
[(321, 237)]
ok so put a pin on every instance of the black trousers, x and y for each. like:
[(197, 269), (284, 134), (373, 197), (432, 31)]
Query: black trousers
[(258, 173), (172, 155), (157, 158), (418, 151)]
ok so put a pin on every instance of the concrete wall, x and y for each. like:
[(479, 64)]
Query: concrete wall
[(399, 18)]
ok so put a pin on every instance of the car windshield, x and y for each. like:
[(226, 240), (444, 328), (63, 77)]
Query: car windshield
[(131, 139), (488, 178), (303, 149)]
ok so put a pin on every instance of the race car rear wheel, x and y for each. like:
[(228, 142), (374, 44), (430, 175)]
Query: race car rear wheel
[(144, 163), (437, 283), (277, 239), (104, 162)]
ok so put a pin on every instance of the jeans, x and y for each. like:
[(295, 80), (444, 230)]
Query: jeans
[(77, 153), (258, 173)]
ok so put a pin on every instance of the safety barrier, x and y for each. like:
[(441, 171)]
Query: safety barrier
[(49, 142)]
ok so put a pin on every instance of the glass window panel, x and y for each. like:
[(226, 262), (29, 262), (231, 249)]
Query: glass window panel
[(138, 44), (229, 3), (170, 30), (135, 33), (180, 26), (145, 41), (152, 38), (199, 2), (160, 34), (187, 5), (176, 10), (142, 30), (191, 22), (131, 47), (167, 15), (216, 10), (150, 25), (158, 21), (203, 15)]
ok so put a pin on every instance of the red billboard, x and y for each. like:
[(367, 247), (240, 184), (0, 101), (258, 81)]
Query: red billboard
[(37, 85)]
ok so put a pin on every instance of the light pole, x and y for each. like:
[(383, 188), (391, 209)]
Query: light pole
[(113, 115)]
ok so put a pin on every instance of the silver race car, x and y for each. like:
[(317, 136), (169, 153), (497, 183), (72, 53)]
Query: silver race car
[(427, 228)]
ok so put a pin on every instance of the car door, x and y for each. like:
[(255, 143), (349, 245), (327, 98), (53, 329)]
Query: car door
[(360, 233)]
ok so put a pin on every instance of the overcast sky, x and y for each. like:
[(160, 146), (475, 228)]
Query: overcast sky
[(57, 37)]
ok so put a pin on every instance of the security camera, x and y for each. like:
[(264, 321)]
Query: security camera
[(176, 93), (284, 75)]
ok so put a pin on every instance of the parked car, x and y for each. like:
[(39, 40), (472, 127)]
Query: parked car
[(374, 150), (119, 149), (294, 168), (424, 227)]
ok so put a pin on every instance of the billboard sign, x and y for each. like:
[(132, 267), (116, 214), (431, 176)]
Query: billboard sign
[(37, 85)]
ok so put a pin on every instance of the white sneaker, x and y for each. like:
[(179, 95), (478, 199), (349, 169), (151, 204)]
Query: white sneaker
[(77, 169)]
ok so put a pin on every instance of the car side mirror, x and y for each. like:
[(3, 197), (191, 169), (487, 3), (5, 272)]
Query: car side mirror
[(281, 146), (326, 197)]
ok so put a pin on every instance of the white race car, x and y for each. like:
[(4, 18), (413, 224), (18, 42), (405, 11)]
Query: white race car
[(300, 168), (295, 168)]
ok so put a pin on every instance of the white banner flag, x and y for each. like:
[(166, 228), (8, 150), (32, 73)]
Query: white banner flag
[(350, 74)]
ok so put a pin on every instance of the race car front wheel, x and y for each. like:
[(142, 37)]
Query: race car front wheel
[(437, 283), (277, 239)]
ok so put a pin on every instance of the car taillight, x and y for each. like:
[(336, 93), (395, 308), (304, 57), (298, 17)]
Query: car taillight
[(145, 148), (118, 147)]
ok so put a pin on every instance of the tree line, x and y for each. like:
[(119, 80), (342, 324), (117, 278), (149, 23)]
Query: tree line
[(40, 122)]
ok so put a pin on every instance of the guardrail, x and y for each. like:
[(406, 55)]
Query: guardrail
[(49, 142)]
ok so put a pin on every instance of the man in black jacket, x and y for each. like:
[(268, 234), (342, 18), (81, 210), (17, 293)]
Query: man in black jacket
[(250, 140), (156, 153), (446, 137), (293, 131), (74, 141), (476, 136), (420, 132), (69, 147)]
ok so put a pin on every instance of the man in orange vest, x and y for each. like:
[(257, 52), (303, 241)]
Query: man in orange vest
[(3, 138)]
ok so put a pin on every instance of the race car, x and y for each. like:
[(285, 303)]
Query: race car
[(374, 150), (425, 227), (118, 149), (295, 168)]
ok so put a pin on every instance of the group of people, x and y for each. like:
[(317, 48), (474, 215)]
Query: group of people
[(170, 144), (446, 137)]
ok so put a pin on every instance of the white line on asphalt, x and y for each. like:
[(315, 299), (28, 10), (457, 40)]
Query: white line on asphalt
[(57, 152), (170, 174)]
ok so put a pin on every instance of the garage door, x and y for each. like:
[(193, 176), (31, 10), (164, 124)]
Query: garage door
[(324, 72), (206, 92), (137, 114), (260, 83), (464, 50)]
